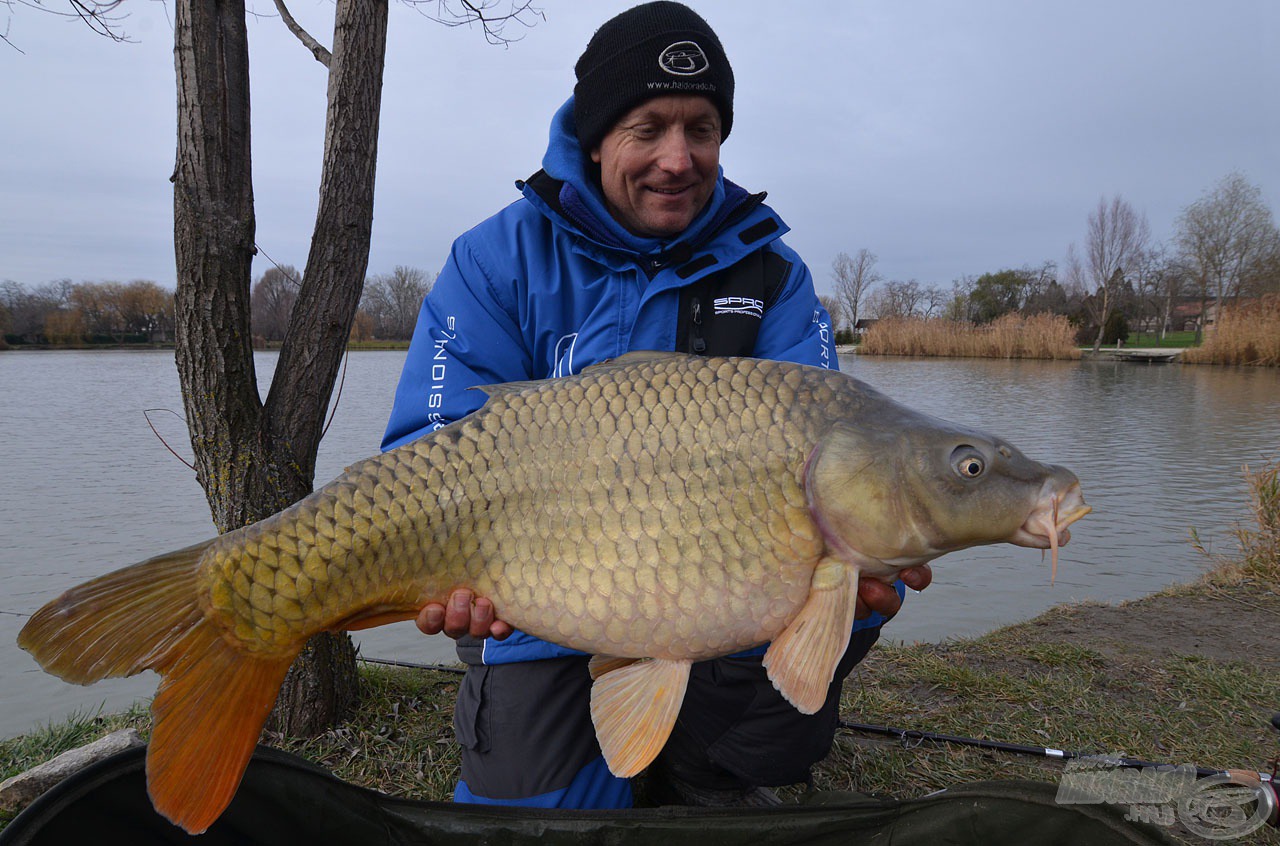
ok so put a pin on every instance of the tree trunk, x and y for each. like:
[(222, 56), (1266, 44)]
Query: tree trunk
[(321, 685), (1102, 320), (253, 459)]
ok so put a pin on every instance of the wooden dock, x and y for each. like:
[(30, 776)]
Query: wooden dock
[(1145, 356)]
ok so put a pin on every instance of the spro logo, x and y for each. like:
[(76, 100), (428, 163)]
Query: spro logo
[(740, 305), (684, 58)]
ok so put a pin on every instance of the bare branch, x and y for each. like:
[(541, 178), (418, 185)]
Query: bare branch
[(99, 15), (317, 49), (494, 25)]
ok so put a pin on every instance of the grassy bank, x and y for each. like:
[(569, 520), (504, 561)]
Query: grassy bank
[(1152, 340), (1191, 674), (1011, 336), (1246, 334)]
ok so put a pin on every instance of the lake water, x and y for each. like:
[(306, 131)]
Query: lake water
[(86, 487)]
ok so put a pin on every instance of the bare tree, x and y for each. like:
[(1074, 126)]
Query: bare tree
[(1115, 236), (854, 276), (933, 302), (253, 456), (897, 298), (25, 311), (394, 299), (1226, 239), (272, 301)]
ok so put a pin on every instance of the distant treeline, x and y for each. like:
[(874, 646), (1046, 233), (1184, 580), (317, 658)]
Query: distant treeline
[(66, 313), (1224, 251)]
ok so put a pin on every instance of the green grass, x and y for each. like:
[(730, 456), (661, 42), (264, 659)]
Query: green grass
[(1146, 340), (19, 754)]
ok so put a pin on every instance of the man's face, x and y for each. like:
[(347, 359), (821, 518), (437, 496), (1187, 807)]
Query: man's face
[(658, 164)]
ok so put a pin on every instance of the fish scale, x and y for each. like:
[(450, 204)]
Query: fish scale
[(652, 511), (544, 488)]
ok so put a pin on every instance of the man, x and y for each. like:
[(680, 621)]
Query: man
[(629, 238)]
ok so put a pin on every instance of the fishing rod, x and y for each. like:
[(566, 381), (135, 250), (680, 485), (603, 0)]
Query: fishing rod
[(913, 737), (391, 662)]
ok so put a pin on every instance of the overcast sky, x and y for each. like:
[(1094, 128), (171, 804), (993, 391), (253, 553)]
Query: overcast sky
[(948, 138)]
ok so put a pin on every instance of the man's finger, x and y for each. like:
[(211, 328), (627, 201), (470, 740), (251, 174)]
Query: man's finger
[(457, 616), (430, 619), (879, 597), (917, 578), (481, 617)]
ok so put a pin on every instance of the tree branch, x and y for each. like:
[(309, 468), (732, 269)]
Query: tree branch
[(317, 49), (99, 15), (478, 12)]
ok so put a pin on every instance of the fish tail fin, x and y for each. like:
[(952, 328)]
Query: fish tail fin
[(118, 624), (213, 699)]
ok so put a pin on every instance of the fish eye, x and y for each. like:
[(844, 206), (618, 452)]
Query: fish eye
[(967, 462)]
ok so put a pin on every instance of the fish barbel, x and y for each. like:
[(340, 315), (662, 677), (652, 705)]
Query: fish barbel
[(652, 511)]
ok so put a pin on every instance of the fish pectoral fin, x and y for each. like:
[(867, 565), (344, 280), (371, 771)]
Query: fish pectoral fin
[(634, 708), (601, 664), (801, 662)]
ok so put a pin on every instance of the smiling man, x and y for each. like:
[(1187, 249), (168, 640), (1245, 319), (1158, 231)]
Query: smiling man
[(628, 238)]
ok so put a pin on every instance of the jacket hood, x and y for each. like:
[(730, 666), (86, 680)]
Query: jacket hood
[(584, 205)]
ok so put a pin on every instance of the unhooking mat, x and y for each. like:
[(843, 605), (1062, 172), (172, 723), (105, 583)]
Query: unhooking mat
[(285, 800)]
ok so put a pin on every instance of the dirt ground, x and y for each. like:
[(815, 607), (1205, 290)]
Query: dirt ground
[(1226, 625)]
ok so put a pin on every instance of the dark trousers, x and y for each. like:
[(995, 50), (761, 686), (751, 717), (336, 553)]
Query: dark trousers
[(526, 730)]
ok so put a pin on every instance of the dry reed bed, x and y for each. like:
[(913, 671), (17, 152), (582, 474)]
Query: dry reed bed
[(1244, 334), (1011, 336)]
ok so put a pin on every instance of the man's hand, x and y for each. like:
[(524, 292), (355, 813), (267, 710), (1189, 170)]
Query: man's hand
[(875, 595), (464, 615)]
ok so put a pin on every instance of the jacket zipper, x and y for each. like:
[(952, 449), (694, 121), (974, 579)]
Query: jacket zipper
[(697, 344)]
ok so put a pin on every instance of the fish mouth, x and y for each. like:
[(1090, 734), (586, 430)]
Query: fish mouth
[(1046, 526)]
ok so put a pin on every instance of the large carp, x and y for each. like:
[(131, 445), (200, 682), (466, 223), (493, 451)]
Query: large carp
[(660, 507)]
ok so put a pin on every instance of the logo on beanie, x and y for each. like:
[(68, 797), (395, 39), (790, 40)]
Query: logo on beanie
[(684, 58)]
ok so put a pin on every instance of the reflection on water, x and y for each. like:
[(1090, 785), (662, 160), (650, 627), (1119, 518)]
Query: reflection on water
[(87, 487)]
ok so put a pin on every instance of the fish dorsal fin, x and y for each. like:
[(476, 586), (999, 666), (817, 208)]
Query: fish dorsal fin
[(634, 709), (801, 662), (624, 360), (636, 357), (502, 388)]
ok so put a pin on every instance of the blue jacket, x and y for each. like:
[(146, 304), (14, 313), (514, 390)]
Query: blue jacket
[(548, 286)]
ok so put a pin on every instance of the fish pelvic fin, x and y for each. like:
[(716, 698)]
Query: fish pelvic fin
[(634, 709), (213, 698), (801, 662)]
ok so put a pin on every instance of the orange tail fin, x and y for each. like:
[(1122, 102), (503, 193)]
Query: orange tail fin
[(213, 699)]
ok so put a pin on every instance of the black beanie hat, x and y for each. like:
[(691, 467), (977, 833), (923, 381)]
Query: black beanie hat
[(648, 51)]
